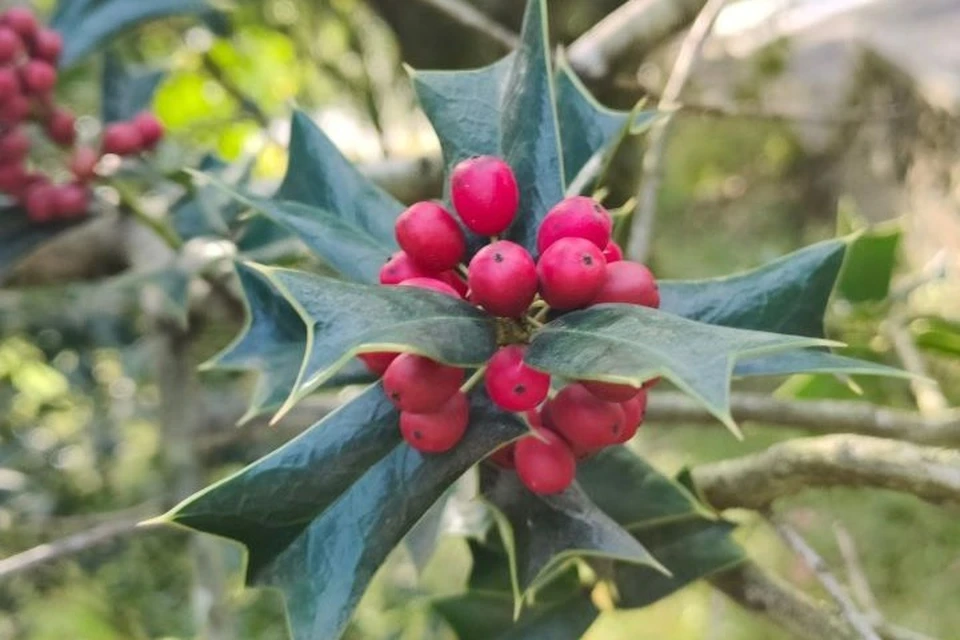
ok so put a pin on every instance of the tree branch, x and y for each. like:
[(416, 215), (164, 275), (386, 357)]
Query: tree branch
[(785, 469), (815, 416), (469, 16)]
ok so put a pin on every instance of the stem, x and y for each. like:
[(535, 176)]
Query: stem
[(541, 315), (462, 270), (130, 202), (473, 380)]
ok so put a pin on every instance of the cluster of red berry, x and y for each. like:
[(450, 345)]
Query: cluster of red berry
[(579, 265), (28, 75)]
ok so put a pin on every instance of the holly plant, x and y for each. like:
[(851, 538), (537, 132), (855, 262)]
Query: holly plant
[(503, 334)]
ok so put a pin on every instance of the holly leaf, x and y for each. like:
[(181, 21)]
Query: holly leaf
[(344, 319), (813, 361), (208, 210), (319, 176), (869, 266), (127, 90), (631, 344), (489, 616), (319, 515)]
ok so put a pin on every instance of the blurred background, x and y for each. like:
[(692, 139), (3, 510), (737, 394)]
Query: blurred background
[(803, 119)]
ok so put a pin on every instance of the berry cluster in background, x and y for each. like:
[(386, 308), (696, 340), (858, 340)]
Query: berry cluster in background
[(579, 265), (28, 76)]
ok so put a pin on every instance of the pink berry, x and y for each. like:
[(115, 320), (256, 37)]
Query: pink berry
[(122, 139), (14, 146), (633, 412), (12, 177), (38, 77), (439, 430), (431, 284), (11, 46), (150, 128), (584, 420), (22, 21), (504, 457), (572, 271), (378, 361), (485, 194), (9, 84), (513, 385), (83, 164), (576, 217), (609, 391), (14, 110), (60, 127), (630, 283), (71, 200), (399, 268), (613, 252), (455, 281), (47, 45), (545, 464), (503, 279), (430, 236), (420, 385), (39, 202)]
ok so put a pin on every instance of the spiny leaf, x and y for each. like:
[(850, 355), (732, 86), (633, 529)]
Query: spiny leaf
[(127, 90), (489, 616), (631, 344), (208, 210), (813, 361)]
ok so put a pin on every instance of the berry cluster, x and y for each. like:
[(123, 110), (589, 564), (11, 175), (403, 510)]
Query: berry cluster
[(28, 76), (578, 266)]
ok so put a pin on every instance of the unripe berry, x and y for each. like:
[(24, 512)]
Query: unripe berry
[(39, 77), (504, 456), (39, 202), (14, 110), (150, 128), (613, 252), (378, 361), (513, 385), (571, 273), (60, 127), (9, 84), (399, 268), (430, 236), (503, 279), (630, 283), (439, 430), (71, 200), (122, 139), (11, 46), (83, 164), (584, 420), (14, 146), (576, 217), (420, 385), (21, 20), (610, 391), (633, 412), (485, 194), (431, 284), (47, 45), (544, 462)]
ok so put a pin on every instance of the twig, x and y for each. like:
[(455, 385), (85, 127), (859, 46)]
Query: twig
[(130, 202), (812, 559), (814, 416), (926, 390), (246, 103), (785, 469), (652, 175), (469, 16)]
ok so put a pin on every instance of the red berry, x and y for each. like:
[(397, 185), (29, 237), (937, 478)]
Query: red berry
[(378, 361), (534, 418), (430, 236), (504, 456), (613, 252), (9, 84), (21, 20), (14, 146), (544, 462), (150, 128), (503, 279), (83, 163), (571, 273), (576, 217), (38, 77), (399, 268), (455, 281), (440, 430), (11, 46), (47, 45), (431, 284), (122, 139), (60, 127), (485, 194), (629, 282), (14, 110), (586, 421), (12, 178), (419, 384), (513, 385), (610, 391), (39, 202), (633, 412), (71, 200)]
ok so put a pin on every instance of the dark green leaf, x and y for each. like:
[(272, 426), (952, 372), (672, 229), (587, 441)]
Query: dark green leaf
[(19, 237), (812, 361), (126, 90), (480, 615), (937, 335), (869, 265), (788, 295), (489, 616), (344, 318), (320, 514), (208, 210), (631, 344), (318, 175)]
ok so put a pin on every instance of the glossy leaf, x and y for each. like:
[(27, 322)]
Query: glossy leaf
[(344, 318), (349, 249), (813, 361), (869, 266), (208, 210), (126, 90), (631, 344), (320, 514), (318, 175), (489, 616)]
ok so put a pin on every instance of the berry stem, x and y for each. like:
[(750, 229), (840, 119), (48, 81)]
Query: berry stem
[(541, 315), (462, 270), (130, 202), (474, 380)]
